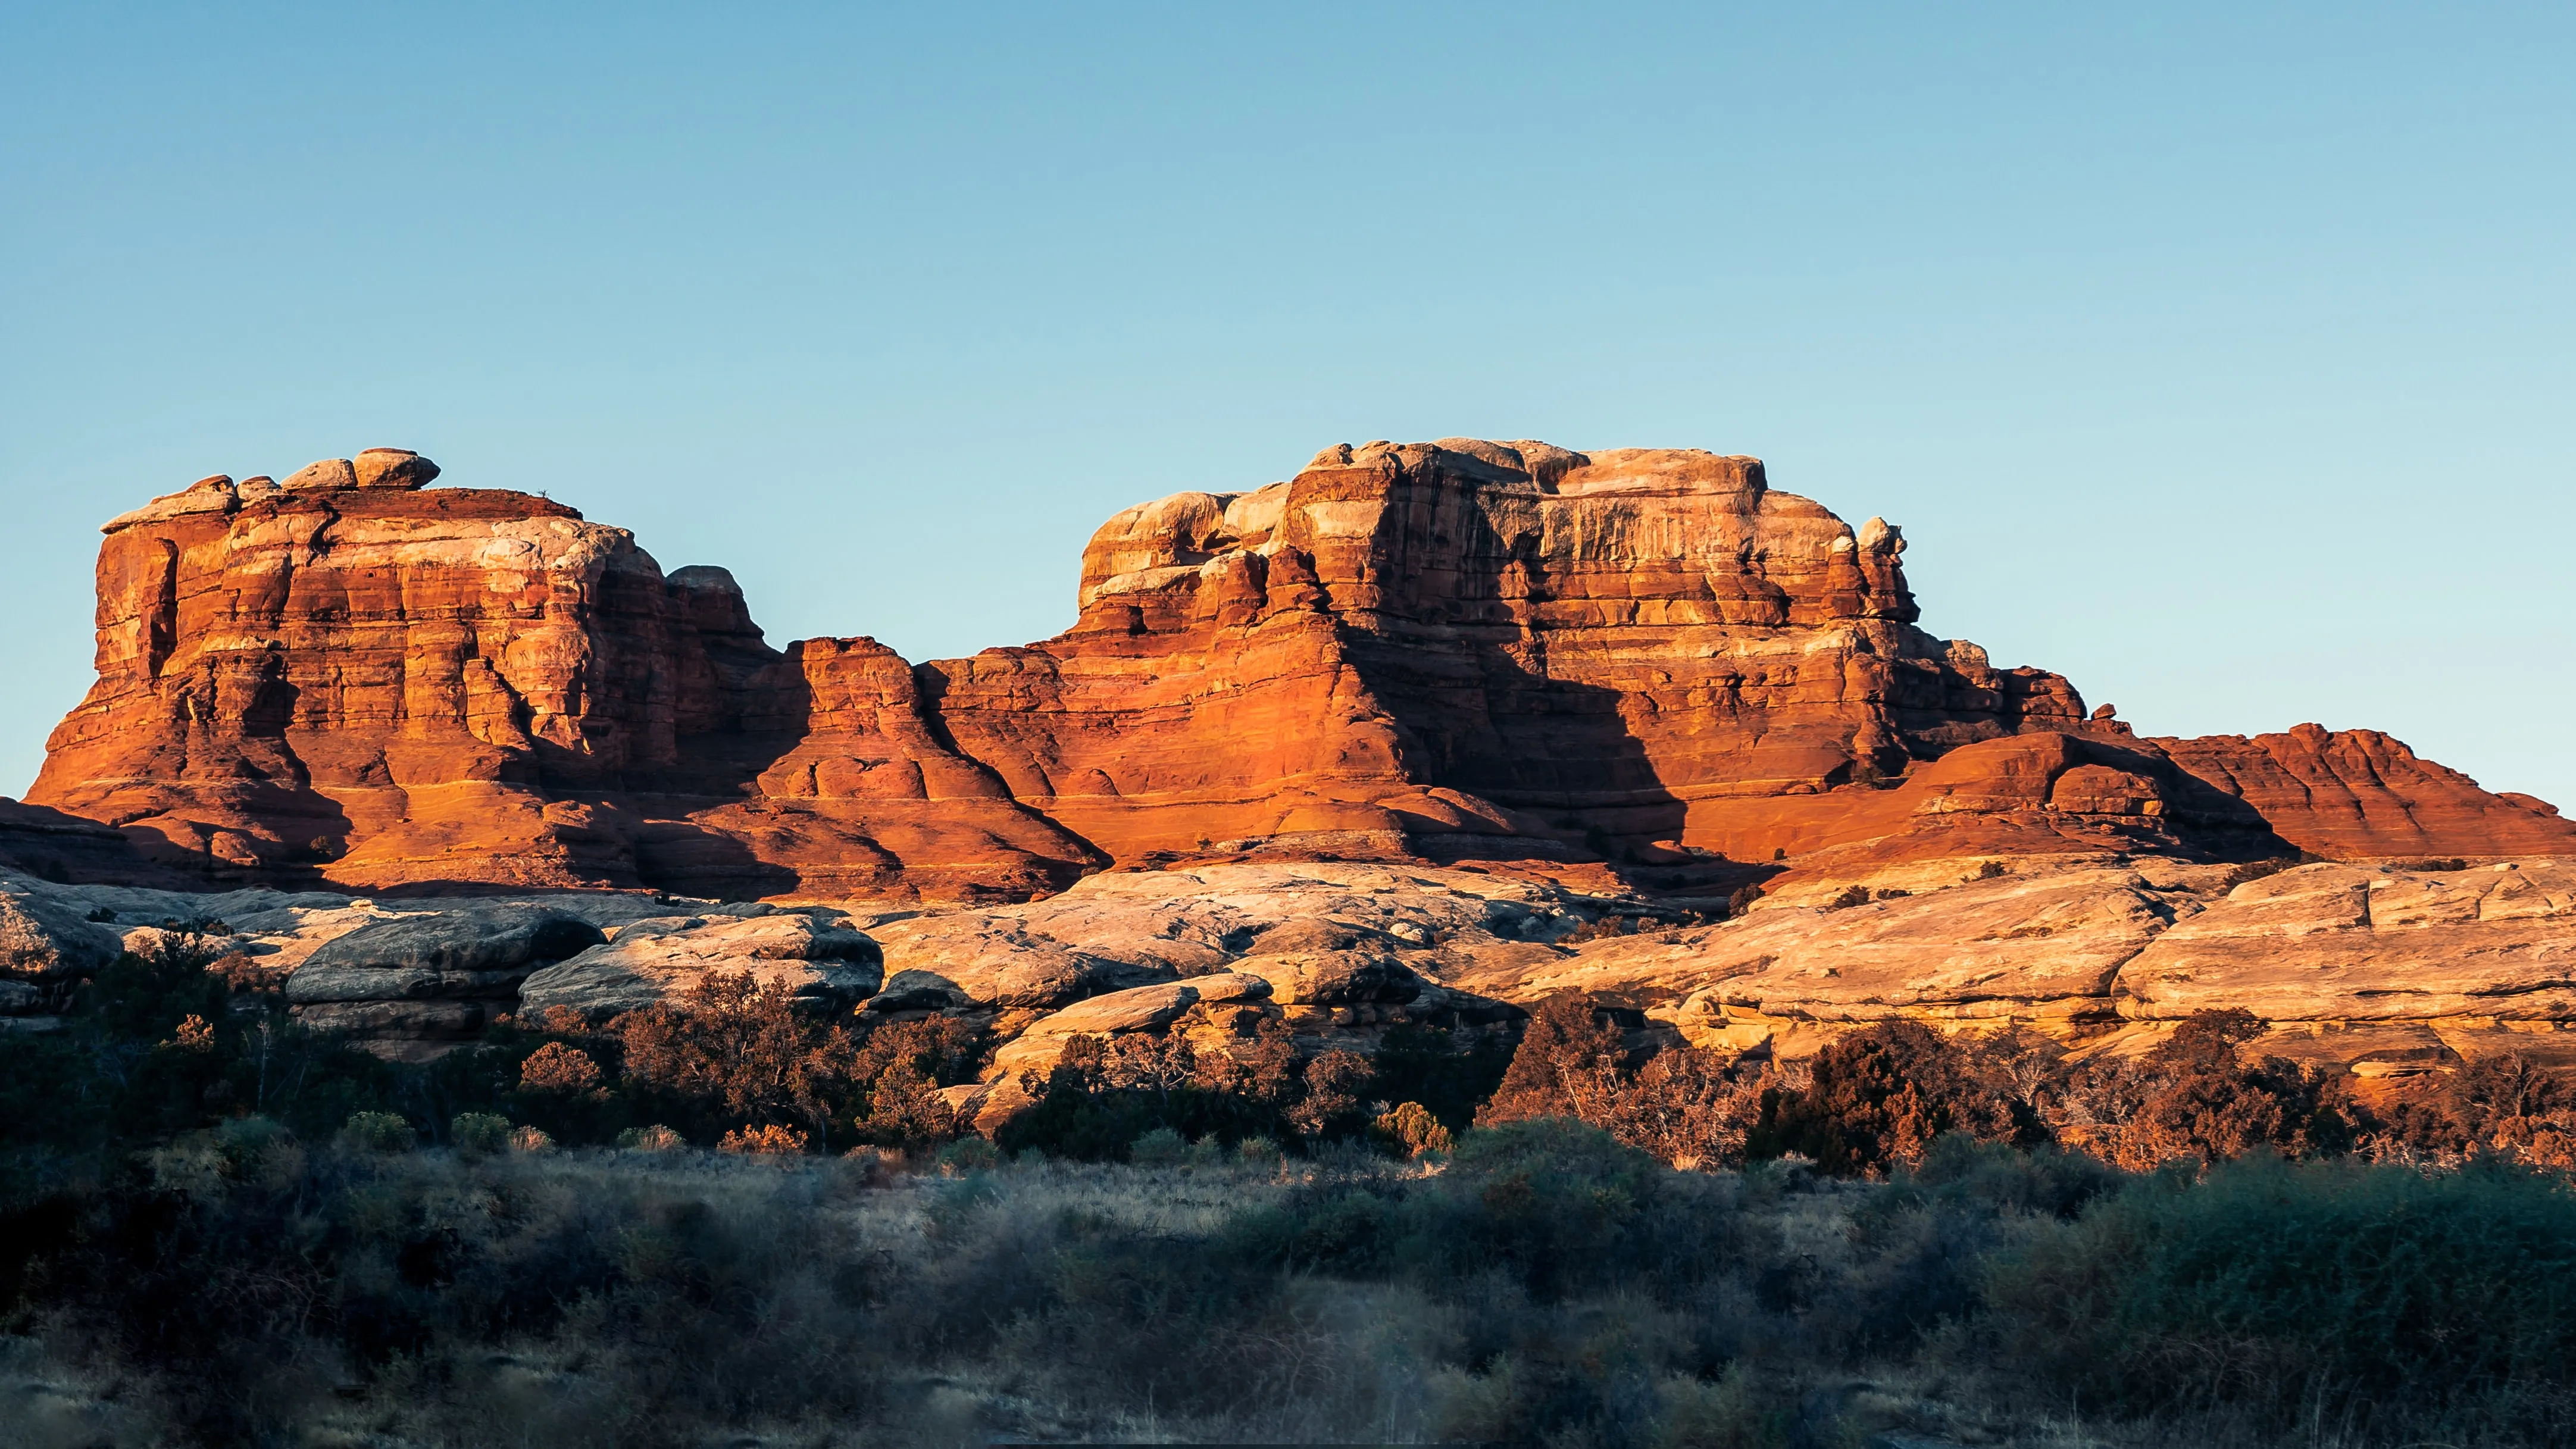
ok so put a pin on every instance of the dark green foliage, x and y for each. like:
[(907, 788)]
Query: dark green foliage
[(2288, 1289), (2044, 1181), (1549, 1203)]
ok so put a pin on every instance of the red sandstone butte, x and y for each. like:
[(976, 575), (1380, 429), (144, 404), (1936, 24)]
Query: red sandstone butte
[(1452, 650), (361, 679)]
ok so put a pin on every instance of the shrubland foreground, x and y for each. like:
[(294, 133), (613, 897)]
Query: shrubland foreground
[(222, 1228)]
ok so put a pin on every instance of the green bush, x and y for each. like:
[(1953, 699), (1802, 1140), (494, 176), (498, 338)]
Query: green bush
[(2279, 1287), (658, 1138), (479, 1134), (969, 1154), (378, 1132), (1161, 1147), (1411, 1131)]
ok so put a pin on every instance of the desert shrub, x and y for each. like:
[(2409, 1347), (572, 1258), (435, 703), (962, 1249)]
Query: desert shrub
[(738, 1055), (1411, 1131), (2194, 1097), (1161, 1147), (969, 1154), (531, 1139), (1684, 1105), (1105, 1092), (1687, 1108), (556, 1067), (1450, 1073), (479, 1132), (655, 1138), (1876, 1099), (2293, 1289), (765, 1141), (378, 1132), (1567, 1065), (1548, 1202), (2039, 1180), (1331, 1103), (905, 1064)]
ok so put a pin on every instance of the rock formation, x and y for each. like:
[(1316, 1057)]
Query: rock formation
[(1471, 648), (822, 964), (1379, 744), (433, 976), (1454, 650), (349, 678)]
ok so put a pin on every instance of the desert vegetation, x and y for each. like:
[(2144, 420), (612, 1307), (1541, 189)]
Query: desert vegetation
[(735, 1220)]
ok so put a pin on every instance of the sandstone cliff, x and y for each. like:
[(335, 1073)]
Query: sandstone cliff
[(1449, 651), (1433, 646), (354, 678)]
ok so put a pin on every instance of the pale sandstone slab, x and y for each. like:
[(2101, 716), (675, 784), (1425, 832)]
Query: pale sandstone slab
[(823, 965)]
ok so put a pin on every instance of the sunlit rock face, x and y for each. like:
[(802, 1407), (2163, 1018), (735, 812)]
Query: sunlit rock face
[(1456, 651), (1467, 647), (356, 678)]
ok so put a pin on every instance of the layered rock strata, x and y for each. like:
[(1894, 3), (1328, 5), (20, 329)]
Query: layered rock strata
[(1449, 651), (1470, 648), (349, 678)]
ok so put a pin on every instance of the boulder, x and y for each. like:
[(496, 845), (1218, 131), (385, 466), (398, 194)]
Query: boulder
[(994, 960), (321, 476), (391, 468), (1144, 1009), (1324, 962), (46, 937), (432, 976), (827, 966)]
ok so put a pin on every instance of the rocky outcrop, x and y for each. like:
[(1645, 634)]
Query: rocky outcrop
[(2358, 794), (1649, 660), (1138, 1010), (432, 977), (822, 964), (350, 679), (44, 937), (1467, 648)]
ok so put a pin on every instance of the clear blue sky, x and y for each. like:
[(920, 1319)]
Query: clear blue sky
[(2218, 356)]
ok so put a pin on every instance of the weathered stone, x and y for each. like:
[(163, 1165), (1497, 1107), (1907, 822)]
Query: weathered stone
[(1450, 650), (1138, 1009), (42, 936), (825, 966), (326, 474), (383, 687), (434, 976), (391, 468)]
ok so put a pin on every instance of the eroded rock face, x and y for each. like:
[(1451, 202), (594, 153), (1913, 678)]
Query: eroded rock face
[(433, 976), (348, 679), (2357, 794), (1421, 652), (44, 937), (1472, 648), (825, 966), (2385, 971)]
